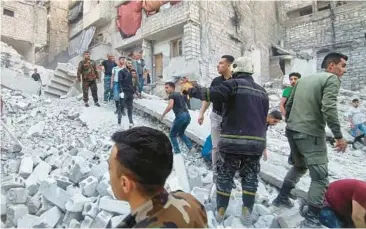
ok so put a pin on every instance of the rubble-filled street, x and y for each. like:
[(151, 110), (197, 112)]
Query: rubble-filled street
[(60, 177)]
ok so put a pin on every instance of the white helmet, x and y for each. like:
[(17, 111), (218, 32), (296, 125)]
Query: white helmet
[(243, 64)]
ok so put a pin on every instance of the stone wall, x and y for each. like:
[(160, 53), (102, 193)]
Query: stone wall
[(58, 31), (344, 31), (28, 24)]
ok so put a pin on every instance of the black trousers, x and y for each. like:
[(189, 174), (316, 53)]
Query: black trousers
[(127, 102)]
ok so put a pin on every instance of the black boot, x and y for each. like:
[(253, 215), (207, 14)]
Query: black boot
[(311, 218), (283, 198)]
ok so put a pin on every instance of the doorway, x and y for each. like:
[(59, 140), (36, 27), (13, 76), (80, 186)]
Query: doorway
[(158, 66)]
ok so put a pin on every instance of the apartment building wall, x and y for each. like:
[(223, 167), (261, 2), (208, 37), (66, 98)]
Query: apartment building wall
[(58, 26), (341, 28)]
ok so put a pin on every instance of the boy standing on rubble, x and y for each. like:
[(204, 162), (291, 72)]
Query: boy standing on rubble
[(140, 162), (311, 106), (357, 118), (87, 69)]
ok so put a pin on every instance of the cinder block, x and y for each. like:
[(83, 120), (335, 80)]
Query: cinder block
[(34, 203), (73, 190), (99, 170), (116, 206), (39, 174), (62, 181), (89, 186), (3, 204), (103, 188), (26, 166), (12, 181), (87, 154), (49, 218), (57, 196), (79, 170), (45, 206), (90, 209), (32, 189), (12, 166), (13, 213), (71, 215), (76, 203), (74, 224), (116, 220), (27, 221), (87, 222), (101, 220), (46, 183), (16, 196)]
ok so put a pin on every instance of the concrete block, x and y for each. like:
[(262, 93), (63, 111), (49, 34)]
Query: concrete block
[(49, 218), (26, 166), (14, 212), (39, 174), (98, 170), (46, 183), (87, 154), (62, 181), (116, 220), (45, 206), (73, 190), (116, 206), (56, 196), (12, 166), (181, 172), (12, 181), (103, 188), (79, 169), (89, 186), (16, 196), (37, 129), (261, 209), (87, 222), (3, 204), (74, 224), (101, 220), (32, 189), (90, 209), (34, 203), (208, 179), (201, 194), (76, 203), (194, 179), (70, 216), (27, 221)]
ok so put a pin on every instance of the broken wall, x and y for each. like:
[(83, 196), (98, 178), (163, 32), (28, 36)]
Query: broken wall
[(341, 29)]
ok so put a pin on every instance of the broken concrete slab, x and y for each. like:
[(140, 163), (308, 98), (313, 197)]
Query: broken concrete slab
[(56, 196), (27, 221), (39, 174), (115, 206), (26, 166), (181, 172), (36, 130), (49, 218)]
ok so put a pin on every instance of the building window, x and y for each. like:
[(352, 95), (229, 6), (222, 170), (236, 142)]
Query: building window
[(9, 13), (323, 5), (176, 48), (300, 12)]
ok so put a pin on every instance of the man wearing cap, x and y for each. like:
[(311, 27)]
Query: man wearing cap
[(139, 164), (243, 134)]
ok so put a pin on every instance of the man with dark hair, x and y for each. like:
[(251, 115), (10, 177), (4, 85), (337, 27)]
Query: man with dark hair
[(273, 119), (36, 75), (88, 70), (293, 77), (107, 66), (312, 105), (357, 119), (182, 117), (139, 164), (242, 137), (127, 89), (223, 68)]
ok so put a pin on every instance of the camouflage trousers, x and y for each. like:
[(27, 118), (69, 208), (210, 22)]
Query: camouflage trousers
[(227, 166), (94, 90)]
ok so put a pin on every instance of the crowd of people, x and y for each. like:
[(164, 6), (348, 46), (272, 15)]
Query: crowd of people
[(142, 158)]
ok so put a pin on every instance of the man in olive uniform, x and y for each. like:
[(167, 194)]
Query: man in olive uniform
[(139, 164), (312, 105), (88, 70)]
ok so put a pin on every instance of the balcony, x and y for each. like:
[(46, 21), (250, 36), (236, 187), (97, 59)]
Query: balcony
[(167, 22), (97, 15), (75, 28), (99, 51)]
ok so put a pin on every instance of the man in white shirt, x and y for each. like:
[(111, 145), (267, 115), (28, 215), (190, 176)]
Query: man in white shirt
[(357, 118)]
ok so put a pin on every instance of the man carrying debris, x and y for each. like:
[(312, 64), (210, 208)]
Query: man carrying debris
[(127, 91), (223, 68), (107, 66), (185, 85), (88, 70), (140, 162), (243, 134), (182, 117), (312, 105), (357, 119)]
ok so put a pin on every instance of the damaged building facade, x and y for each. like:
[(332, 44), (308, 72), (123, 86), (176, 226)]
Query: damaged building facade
[(36, 29), (314, 28)]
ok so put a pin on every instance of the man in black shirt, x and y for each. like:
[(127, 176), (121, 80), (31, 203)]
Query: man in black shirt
[(107, 66), (182, 117), (223, 68), (37, 77)]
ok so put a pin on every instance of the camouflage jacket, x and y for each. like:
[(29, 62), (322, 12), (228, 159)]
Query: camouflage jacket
[(168, 210), (87, 69)]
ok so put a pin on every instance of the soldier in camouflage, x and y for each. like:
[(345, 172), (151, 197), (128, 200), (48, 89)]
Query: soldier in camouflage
[(139, 164), (88, 70)]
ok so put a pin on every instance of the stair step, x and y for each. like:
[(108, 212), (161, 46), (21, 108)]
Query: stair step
[(60, 85), (62, 80), (51, 94), (61, 91)]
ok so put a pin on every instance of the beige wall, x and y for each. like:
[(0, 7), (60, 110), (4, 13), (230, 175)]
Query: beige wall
[(58, 33)]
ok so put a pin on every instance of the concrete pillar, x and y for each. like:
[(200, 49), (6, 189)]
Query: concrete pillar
[(30, 54), (148, 55), (191, 41)]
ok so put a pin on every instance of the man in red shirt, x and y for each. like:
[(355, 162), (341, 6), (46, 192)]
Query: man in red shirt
[(345, 205)]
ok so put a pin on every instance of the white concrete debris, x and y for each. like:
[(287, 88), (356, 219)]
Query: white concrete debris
[(61, 179)]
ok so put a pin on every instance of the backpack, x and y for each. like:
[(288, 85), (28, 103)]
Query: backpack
[(207, 149)]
